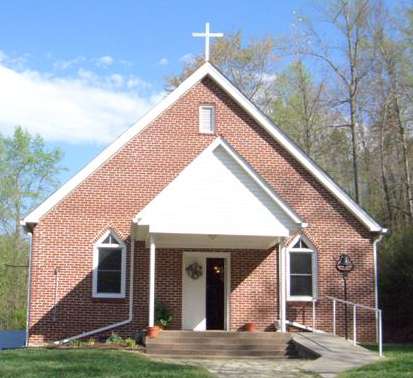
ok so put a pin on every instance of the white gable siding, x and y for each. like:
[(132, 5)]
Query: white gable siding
[(214, 195)]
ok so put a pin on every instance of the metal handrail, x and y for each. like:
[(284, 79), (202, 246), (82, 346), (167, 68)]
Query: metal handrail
[(377, 311)]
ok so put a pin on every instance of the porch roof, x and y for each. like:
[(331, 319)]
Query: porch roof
[(218, 194)]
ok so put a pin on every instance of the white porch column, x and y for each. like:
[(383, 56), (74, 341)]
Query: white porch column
[(282, 285), (152, 248)]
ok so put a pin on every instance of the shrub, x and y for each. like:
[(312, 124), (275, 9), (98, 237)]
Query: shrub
[(163, 316), (114, 338), (91, 341), (130, 343), (75, 343)]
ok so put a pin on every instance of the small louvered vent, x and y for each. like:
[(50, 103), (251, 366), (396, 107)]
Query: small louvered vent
[(206, 119)]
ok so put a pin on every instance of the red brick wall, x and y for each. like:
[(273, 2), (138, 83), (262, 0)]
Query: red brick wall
[(122, 186)]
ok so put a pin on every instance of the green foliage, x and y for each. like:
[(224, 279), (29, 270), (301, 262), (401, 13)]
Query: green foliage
[(91, 341), (13, 283), (114, 338), (75, 343), (85, 363), (396, 285), (163, 316), (301, 109), (129, 343), (28, 173)]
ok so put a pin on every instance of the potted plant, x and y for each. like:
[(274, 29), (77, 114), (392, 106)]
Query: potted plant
[(163, 316), (250, 327), (152, 331)]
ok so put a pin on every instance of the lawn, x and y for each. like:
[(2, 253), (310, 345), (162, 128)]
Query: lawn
[(398, 362), (45, 363)]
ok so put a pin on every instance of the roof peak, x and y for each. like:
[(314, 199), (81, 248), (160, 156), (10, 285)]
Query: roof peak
[(207, 69)]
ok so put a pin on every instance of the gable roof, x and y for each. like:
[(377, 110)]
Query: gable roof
[(232, 198), (207, 69)]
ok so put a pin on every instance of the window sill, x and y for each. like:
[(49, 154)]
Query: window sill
[(109, 300), (108, 296), (207, 133), (301, 299)]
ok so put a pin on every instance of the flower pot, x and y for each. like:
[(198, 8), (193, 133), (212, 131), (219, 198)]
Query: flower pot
[(250, 327), (152, 331)]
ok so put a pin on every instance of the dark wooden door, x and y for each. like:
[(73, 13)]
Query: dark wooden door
[(215, 293)]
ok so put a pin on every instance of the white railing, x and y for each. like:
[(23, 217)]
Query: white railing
[(379, 333)]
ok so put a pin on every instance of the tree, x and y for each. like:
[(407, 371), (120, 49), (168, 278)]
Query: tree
[(301, 108), (349, 57), (387, 102), (250, 68), (28, 172), (396, 286)]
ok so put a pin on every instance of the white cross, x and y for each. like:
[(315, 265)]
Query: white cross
[(207, 36)]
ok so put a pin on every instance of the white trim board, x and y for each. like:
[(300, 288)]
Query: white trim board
[(314, 269), (208, 69), (119, 245), (157, 213)]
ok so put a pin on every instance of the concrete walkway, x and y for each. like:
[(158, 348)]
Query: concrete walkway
[(335, 353), (248, 367), (12, 339)]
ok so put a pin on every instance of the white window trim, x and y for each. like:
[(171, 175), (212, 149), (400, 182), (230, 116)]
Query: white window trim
[(211, 132), (313, 251), (100, 244)]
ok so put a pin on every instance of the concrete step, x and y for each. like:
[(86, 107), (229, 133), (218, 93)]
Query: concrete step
[(217, 341), (208, 347), (221, 353), (249, 335), (220, 344)]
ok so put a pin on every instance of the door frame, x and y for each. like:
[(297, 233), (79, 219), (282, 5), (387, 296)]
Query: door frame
[(227, 282)]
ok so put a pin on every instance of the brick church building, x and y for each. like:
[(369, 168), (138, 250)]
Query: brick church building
[(207, 207)]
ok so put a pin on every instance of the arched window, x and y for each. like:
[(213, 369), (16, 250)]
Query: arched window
[(301, 270), (109, 267)]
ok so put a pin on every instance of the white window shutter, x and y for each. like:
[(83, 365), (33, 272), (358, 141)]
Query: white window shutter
[(206, 119)]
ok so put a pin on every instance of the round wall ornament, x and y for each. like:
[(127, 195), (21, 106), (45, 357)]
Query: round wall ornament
[(194, 270)]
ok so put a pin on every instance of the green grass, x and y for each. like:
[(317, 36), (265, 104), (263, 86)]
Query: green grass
[(398, 362), (45, 363)]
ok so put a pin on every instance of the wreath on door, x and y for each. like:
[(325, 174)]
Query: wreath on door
[(194, 270)]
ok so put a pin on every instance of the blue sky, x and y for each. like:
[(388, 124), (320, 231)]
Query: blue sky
[(80, 72)]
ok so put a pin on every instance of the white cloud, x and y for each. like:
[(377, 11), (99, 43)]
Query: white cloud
[(187, 58), (87, 108), (65, 64), (3, 56), (117, 80), (106, 60), (163, 61), (135, 82)]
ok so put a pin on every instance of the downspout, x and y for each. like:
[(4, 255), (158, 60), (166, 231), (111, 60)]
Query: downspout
[(118, 324), (376, 280), (29, 281)]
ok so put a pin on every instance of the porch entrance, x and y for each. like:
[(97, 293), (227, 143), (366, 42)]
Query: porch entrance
[(205, 295), (215, 293)]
